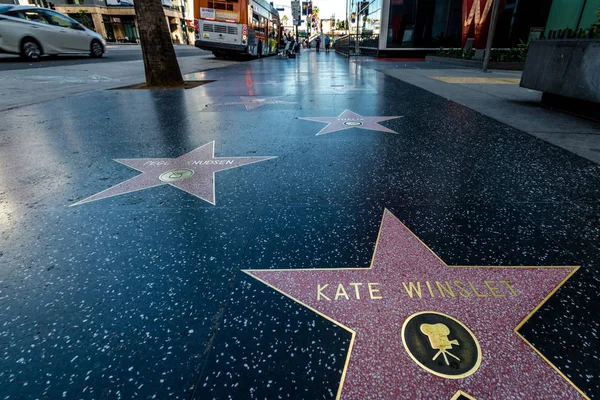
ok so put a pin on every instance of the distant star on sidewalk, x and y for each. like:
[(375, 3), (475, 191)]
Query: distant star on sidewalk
[(253, 102), (343, 89), (193, 172), (348, 120), (272, 83)]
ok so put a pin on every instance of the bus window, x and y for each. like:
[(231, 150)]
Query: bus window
[(274, 30), (259, 24), (264, 26)]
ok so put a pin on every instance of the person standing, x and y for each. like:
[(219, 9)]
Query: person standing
[(318, 40), (327, 44)]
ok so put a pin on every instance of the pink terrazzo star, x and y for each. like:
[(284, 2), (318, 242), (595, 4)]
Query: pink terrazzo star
[(253, 102), (272, 83), (348, 120), (342, 89), (374, 303), (193, 172)]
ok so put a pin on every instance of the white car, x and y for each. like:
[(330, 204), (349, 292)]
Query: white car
[(33, 32)]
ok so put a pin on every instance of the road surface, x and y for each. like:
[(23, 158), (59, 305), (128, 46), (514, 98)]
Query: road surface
[(115, 53)]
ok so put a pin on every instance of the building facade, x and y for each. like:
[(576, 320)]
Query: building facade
[(115, 19), (430, 24)]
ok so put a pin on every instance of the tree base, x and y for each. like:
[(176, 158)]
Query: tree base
[(185, 85)]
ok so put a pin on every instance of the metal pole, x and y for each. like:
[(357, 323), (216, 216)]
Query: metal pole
[(581, 14), (490, 38), (347, 19), (185, 30), (357, 50)]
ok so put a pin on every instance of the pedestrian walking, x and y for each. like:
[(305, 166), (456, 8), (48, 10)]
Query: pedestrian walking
[(318, 40), (327, 44)]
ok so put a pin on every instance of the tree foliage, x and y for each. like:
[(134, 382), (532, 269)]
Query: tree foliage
[(84, 17)]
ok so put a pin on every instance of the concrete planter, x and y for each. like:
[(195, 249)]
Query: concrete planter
[(513, 66), (564, 67)]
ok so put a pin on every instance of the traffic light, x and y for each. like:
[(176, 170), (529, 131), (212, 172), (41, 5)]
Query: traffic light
[(353, 18), (364, 6)]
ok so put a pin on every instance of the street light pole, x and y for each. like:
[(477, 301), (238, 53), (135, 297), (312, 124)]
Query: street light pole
[(185, 30), (347, 19), (490, 38), (357, 49)]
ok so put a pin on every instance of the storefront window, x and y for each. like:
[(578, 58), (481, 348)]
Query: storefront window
[(424, 23), (572, 14), (518, 19), (371, 22), (120, 29)]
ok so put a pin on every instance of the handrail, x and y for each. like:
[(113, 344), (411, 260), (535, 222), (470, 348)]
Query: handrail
[(367, 45)]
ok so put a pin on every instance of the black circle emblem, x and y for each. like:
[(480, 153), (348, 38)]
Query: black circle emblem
[(441, 345)]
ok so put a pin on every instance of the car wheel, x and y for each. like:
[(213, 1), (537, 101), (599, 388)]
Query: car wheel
[(31, 49), (96, 49)]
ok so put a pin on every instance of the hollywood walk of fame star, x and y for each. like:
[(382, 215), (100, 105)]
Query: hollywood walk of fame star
[(420, 328), (348, 120), (342, 89), (193, 172), (272, 83), (252, 102)]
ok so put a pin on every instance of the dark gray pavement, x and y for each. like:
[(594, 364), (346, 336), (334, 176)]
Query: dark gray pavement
[(498, 95), (139, 293)]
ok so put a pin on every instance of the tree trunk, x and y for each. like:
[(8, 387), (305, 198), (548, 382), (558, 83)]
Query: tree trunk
[(160, 61)]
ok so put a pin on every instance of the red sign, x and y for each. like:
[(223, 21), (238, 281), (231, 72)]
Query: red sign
[(476, 16)]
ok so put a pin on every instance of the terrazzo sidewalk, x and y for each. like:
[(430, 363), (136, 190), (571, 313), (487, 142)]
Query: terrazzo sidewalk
[(147, 239)]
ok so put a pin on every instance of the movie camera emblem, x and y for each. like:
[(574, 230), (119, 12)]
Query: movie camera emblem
[(441, 345), (176, 175)]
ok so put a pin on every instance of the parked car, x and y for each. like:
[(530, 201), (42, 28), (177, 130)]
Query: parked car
[(33, 32)]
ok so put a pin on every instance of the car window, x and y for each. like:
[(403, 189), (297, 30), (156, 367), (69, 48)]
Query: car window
[(59, 20), (34, 15)]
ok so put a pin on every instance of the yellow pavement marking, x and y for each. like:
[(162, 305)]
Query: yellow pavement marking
[(479, 81)]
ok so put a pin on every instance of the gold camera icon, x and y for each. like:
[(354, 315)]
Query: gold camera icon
[(438, 339)]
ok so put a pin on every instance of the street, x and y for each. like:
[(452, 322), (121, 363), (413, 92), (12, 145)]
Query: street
[(64, 76), (115, 53)]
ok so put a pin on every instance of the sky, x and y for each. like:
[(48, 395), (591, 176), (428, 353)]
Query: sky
[(326, 8)]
